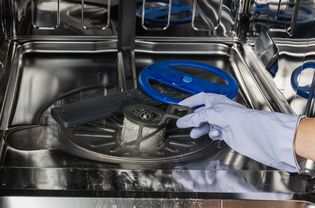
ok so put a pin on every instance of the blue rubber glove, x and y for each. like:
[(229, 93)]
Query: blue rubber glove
[(266, 137)]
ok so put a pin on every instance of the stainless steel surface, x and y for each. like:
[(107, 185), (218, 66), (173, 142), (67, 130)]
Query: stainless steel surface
[(266, 49), (292, 27), (208, 12), (33, 158), (70, 17), (31, 18), (55, 52), (285, 19), (57, 18), (291, 56), (240, 19), (68, 202), (167, 5), (107, 11)]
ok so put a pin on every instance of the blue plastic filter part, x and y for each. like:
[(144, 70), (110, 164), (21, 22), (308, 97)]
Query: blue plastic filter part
[(303, 91), (160, 14), (164, 72)]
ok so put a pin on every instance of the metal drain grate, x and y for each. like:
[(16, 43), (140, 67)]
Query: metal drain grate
[(116, 139)]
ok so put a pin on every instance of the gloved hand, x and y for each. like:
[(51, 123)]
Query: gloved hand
[(266, 137)]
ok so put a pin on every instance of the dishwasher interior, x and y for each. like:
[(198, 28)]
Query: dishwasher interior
[(57, 53)]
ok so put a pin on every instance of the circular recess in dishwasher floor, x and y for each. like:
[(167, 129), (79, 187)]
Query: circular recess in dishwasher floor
[(137, 134), (120, 139)]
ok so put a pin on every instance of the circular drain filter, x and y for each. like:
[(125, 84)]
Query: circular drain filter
[(138, 136), (143, 129), (143, 115)]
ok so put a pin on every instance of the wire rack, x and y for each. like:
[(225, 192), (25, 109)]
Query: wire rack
[(57, 15), (199, 19)]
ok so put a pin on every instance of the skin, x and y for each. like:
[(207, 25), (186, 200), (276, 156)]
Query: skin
[(305, 139)]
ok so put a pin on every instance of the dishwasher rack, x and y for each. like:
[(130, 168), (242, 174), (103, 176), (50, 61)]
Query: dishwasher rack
[(276, 16)]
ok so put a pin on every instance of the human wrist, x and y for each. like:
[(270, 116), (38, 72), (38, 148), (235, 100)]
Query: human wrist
[(304, 138)]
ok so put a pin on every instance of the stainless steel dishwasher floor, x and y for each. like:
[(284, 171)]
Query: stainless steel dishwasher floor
[(46, 74)]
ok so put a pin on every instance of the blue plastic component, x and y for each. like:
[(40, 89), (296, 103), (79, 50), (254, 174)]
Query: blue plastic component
[(188, 79), (273, 69), (164, 73), (303, 91), (160, 14)]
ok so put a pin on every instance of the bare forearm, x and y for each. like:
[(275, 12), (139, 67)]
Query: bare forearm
[(305, 139)]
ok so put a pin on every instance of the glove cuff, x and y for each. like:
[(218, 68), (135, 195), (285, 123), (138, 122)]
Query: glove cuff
[(297, 166), (286, 158), (287, 155)]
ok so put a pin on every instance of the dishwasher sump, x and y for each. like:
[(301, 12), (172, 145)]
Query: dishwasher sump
[(36, 158), (126, 138)]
